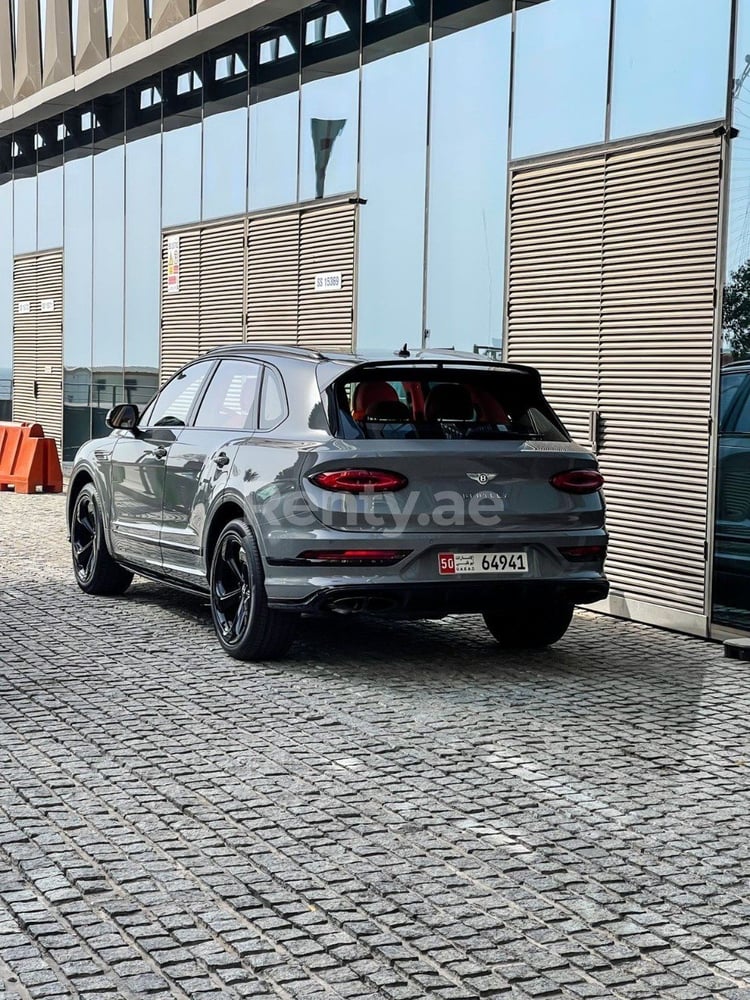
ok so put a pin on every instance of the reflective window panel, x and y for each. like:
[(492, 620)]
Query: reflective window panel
[(77, 281), (560, 75), (274, 115), (329, 103), (468, 166), (50, 143), (731, 569), (142, 263), (393, 183), (24, 191), (670, 64), (142, 240), (225, 129), (182, 144)]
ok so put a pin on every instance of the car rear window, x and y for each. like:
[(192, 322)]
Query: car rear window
[(442, 404)]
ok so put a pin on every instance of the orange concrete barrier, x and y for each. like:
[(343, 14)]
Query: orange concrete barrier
[(29, 462)]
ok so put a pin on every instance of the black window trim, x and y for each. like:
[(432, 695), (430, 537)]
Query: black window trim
[(261, 394)]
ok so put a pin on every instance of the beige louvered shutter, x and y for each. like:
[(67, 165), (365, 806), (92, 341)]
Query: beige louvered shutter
[(273, 278), (326, 295), (659, 272), (554, 283), (24, 338), (180, 303), (222, 284), (49, 343)]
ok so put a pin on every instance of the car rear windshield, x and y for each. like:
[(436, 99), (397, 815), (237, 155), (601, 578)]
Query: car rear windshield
[(441, 403)]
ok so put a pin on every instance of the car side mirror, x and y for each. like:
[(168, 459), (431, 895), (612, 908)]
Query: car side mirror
[(123, 417)]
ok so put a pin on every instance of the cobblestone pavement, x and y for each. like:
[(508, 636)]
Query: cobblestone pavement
[(396, 811)]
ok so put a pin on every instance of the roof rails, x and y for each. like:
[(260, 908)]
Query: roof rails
[(283, 350)]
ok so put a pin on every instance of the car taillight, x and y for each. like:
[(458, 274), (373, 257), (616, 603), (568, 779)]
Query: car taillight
[(584, 553), (355, 557), (359, 481), (578, 481)]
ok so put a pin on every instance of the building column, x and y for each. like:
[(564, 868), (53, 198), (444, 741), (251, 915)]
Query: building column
[(6, 54), (28, 50), (91, 34), (58, 57), (128, 24)]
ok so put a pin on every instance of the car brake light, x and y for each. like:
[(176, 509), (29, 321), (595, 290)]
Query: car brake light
[(359, 481), (355, 557), (578, 481), (583, 553)]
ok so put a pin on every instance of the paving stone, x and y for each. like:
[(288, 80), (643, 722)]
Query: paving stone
[(396, 812)]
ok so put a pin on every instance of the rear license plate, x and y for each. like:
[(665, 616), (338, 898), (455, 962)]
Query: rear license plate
[(457, 563)]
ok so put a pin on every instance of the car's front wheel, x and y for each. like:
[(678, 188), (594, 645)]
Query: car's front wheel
[(532, 628), (247, 628), (95, 569)]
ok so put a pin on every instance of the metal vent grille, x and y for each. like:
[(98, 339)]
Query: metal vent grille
[(273, 278), (327, 248), (49, 344), (24, 338), (659, 274), (611, 295), (555, 282), (222, 284), (37, 341)]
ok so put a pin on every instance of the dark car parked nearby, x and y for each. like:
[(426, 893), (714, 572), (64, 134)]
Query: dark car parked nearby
[(732, 540), (282, 481)]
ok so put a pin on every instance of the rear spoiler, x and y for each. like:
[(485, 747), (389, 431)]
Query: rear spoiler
[(329, 372)]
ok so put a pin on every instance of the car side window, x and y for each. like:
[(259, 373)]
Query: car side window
[(172, 405), (730, 383), (273, 400), (742, 423), (229, 401)]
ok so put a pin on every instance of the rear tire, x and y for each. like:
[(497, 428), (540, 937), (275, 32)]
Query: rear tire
[(245, 626), (529, 629), (95, 570)]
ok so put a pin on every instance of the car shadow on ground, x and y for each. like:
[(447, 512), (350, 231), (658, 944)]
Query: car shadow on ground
[(603, 668)]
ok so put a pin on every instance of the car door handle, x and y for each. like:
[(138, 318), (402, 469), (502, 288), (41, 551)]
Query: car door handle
[(160, 452), (222, 459)]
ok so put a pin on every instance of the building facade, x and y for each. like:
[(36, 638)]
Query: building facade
[(565, 182)]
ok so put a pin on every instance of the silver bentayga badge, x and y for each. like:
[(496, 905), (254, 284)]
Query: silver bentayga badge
[(482, 477)]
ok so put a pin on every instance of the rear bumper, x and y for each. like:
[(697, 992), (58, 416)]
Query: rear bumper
[(434, 600)]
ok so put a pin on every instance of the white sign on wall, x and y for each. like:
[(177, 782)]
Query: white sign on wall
[(173, 264), (332, 281), (24, 307), (47, 306)]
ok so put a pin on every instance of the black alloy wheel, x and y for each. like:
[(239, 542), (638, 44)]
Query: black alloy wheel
[(246, 627), (96, 571)]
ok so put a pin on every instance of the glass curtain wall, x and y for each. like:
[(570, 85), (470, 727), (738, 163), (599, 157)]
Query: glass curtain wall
[(393, 176), (402, 103), (731, 568), (468, 162)]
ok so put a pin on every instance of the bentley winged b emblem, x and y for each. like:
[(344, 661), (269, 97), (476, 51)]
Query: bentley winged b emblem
[(482, 477)]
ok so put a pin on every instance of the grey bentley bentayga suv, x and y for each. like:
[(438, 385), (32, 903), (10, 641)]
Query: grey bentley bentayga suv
[(280, 481)]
